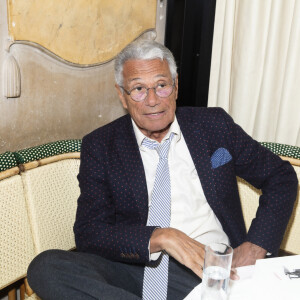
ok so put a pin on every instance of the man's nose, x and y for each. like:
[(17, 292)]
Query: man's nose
[(152, 99)]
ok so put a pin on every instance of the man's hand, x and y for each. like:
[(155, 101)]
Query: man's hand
[(181, 247), (247, 254)]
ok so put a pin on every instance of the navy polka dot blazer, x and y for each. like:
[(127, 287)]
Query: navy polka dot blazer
[(113, 206)]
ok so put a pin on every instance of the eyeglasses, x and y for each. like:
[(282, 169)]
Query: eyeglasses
[(140, 93)]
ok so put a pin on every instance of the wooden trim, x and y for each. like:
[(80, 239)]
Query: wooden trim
[(28, 289), (293, 161), (12, 294), (10, 172), (49, 160), (29, 166), (22, 291)]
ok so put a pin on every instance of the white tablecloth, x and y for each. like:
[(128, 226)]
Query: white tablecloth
[(264, 281)]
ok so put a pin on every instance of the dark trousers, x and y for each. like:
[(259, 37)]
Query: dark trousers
[(57, 274)]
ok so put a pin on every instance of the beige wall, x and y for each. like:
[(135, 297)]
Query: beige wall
[(57, 101)]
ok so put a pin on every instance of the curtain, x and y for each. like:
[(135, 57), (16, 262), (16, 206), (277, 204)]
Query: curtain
[(255, 68)]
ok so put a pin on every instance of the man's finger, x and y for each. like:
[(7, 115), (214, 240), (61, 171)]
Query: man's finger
[(234, 275), (198, 270)]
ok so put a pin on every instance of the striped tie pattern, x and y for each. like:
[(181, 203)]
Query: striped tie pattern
[(155, 284)]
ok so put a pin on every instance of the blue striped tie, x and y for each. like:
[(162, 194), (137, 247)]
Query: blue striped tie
[(155, 285)]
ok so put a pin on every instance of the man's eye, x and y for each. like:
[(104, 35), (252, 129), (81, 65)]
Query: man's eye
[(161, 85), (138, 88)]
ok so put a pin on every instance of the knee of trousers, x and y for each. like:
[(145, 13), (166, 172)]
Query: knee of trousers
[(42, 267)]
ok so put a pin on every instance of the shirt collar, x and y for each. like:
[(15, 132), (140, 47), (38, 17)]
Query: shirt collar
[(173, 128)]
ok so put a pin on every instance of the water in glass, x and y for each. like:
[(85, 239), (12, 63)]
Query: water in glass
[(214, 283)]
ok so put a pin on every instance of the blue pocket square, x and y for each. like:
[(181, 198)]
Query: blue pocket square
[(220, 157)]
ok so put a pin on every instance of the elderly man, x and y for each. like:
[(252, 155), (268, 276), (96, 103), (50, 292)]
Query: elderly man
[(156, 186)]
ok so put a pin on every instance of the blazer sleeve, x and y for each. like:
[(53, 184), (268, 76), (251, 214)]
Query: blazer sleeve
[(275, 177), (97, 229)]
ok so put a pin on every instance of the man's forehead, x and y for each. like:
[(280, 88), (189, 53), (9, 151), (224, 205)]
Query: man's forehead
[(138, 69)]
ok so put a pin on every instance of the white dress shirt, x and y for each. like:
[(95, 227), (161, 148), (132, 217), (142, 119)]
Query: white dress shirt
[(190, 212)]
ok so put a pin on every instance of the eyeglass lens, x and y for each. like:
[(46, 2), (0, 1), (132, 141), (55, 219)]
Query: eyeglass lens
[(161, 91)]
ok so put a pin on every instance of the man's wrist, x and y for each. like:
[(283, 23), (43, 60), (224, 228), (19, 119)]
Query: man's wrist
[(156, 240), (257, 251)]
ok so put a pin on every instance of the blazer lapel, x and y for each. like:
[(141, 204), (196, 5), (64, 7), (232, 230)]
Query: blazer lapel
[(130, 157)]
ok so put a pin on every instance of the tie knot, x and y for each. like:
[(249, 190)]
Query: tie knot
[(150, 144), (162, 149)]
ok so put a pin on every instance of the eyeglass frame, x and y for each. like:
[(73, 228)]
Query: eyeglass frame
[(147, 93)]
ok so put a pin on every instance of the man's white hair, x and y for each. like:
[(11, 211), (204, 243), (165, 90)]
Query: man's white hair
[(144, 50)]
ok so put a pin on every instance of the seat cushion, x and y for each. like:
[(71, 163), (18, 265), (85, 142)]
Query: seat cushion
[(51, 191), (16, 243)]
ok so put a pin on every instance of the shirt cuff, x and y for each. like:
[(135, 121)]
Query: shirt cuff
[(153, 256)]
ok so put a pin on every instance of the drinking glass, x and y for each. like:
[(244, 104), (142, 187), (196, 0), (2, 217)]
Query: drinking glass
[(216, 271)]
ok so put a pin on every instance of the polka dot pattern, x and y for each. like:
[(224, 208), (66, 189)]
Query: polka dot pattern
[(7, 161), (113, 205), (209, 129), (47, 150), (283, 150), (112, 208)]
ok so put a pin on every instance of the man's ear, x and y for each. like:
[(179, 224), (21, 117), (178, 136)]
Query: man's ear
[(121, 96)]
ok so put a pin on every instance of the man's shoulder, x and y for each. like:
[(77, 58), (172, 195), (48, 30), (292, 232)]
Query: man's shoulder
[(202, 114)]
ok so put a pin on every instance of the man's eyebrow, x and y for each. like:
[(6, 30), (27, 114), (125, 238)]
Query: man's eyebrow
[(139, 78), (161, 75), (134, 79)]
